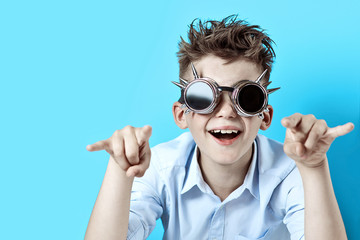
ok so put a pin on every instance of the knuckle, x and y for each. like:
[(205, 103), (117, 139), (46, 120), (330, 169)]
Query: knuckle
[(320, 126), (141, 174), (117, 133), (297, 116), (123, 165), (128, 128), (146, 165), (132, 157), (118, 155), (322, 122), (286, 149), (316, 133), (310, 116)]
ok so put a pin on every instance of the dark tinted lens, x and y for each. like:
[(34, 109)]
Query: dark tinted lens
[(199, 96), (251, 98)]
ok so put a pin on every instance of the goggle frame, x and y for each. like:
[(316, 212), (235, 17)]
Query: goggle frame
[(233, 93)]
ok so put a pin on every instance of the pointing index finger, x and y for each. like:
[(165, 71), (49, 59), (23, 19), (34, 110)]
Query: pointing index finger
[(100, 145), (340, 130)]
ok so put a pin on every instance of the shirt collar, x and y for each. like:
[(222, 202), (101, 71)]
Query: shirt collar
[(251, 181), (194, 176)]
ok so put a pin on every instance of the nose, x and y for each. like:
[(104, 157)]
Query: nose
[(225, 107)]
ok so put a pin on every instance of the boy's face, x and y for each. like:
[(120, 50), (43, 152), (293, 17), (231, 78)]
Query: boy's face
[(223, 148)]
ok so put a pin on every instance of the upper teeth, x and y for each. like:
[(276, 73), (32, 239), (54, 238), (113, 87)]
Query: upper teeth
[(224, 131)]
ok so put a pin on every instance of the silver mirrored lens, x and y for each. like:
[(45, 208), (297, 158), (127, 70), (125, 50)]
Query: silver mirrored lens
[(199, 96), (251, 98)]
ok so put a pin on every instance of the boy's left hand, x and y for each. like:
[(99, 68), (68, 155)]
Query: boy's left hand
[(308, 139)]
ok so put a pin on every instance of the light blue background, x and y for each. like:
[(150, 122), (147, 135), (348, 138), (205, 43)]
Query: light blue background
[(72, 72)]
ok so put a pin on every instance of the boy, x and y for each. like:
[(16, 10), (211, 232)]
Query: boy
[(222, 180)]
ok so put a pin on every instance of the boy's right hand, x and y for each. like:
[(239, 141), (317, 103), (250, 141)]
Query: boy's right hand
[(129, 147)]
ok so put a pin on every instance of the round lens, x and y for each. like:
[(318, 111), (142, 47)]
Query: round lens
[(251, 98), (199, 96)]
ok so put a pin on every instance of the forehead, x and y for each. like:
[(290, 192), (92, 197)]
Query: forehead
[(226, 73)]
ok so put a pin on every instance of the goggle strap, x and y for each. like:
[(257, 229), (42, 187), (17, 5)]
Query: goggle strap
[(261, 116), (187, 110), (229, 89)]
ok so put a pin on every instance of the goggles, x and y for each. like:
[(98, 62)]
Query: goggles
[(202, 95)]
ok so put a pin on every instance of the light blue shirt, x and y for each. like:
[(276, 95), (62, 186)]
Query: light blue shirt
[(268, 205)]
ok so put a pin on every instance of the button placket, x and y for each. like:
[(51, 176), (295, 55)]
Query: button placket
[(218, 224)]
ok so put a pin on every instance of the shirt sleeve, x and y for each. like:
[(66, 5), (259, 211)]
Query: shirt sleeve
[(146, 204), (294, 206)]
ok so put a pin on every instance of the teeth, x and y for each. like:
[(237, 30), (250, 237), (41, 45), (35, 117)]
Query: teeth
[(224, 131)]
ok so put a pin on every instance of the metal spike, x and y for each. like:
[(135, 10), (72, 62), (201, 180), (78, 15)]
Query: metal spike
[(266, 84), (261, 76), (269, 91), (196, 76), (179, 85), (183, 81)]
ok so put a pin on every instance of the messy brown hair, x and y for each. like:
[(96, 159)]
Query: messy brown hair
[(229, 39)]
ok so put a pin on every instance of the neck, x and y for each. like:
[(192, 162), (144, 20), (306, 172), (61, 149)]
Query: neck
[(224, 179)]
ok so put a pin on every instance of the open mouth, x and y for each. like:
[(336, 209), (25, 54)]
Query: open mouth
[(225, 134)]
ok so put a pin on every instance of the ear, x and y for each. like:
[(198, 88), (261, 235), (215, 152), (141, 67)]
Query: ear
[(266, 122), (179, 115)]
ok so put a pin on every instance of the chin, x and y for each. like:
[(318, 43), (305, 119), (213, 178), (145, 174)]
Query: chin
[(226, 158)]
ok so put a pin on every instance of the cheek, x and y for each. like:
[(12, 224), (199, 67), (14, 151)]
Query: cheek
[(190, 121), (253, 124), (196, 120)]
